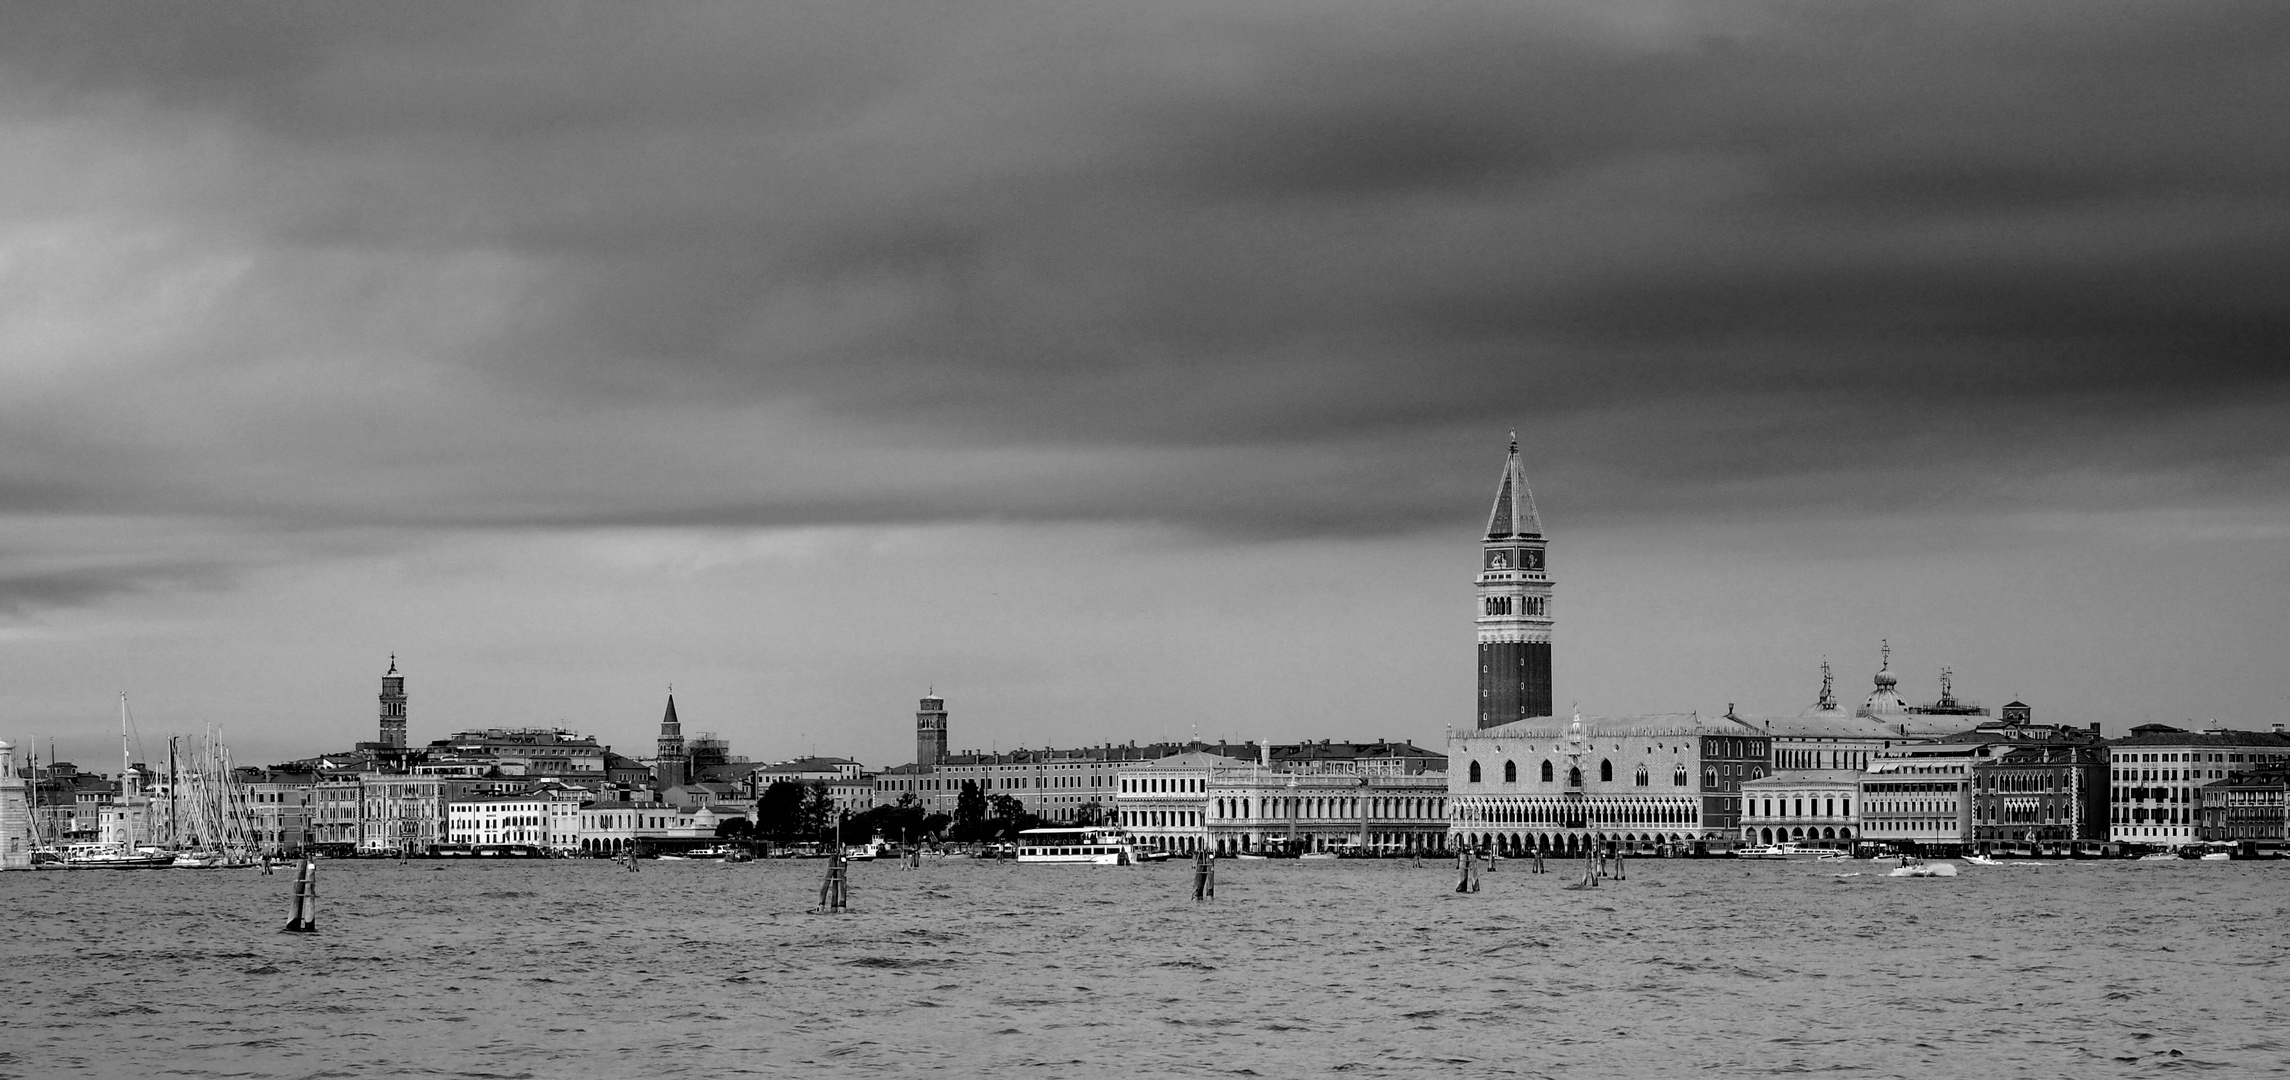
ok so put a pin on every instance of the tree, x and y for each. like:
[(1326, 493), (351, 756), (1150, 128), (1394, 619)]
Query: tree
[(1089, 813), (818, 815), (779, 813), (935, 825), (1005, 805), (969, 805)]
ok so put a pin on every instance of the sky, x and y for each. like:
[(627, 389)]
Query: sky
[(1130, 372)]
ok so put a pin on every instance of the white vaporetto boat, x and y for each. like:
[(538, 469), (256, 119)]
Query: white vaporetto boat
[(1779, 851), (1089, 845)]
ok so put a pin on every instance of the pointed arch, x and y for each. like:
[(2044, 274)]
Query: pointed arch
[(1474, 772), (1510, 772), (1605, 770)]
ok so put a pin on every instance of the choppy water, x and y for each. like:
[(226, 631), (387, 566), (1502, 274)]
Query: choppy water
[(580, 969)]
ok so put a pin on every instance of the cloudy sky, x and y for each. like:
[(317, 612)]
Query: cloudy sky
[(1130, 371)]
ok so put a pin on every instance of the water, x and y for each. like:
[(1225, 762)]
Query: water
[(1689, 968)]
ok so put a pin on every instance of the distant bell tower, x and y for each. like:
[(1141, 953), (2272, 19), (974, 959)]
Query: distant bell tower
[(1514, 605), (930, 731), (393, 706), (670, 767)]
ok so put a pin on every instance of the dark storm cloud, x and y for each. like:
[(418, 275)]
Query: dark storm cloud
[(1256, 268)]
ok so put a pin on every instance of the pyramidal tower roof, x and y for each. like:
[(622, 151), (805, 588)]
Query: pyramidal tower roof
[(668, 722), (1514, 513)]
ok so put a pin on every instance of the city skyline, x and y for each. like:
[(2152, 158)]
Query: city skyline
[(1130, 376)]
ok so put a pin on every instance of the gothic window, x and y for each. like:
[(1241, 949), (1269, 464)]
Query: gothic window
[(1678, 778), (1510, 770), (1641, 776), (1474, 765), (1546, 772), (1709, 776), (1605, 772), (1574, 777)]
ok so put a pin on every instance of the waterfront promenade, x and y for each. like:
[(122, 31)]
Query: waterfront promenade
[(1689, 968)]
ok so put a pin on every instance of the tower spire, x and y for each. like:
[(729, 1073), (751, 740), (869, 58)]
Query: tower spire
[(1828, 702), (1514, 513)]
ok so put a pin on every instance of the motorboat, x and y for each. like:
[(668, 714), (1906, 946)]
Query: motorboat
[(1982, 860), (1317, 855), (1924, 869)]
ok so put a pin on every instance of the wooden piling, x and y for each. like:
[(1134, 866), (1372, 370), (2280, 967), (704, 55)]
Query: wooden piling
[(1204, 875), (835, 892), (1467, 867), (305, 919)]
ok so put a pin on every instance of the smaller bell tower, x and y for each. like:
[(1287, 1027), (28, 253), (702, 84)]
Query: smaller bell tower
[(930, 730), (393, 718)]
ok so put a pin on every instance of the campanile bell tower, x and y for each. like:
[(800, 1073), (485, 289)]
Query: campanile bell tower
[(393, 718), (1514, 605), (930, 730)]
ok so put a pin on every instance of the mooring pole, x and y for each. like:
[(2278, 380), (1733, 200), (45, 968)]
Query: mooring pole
[(305, 919), (834, 893), (1204, 875)]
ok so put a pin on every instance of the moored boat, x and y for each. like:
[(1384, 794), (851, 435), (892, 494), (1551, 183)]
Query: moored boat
[(116, 857)]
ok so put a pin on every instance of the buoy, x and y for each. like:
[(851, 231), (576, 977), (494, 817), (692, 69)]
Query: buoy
[(305, 920), (1204, 875)]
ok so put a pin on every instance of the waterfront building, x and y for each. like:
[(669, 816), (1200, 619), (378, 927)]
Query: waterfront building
[(487, 820), (1163, 804), (393, 708), (1920, 796), (1808, 807), (2250, 809), (2155, 773), (609, 828), (1389, 799), (283, 806), (334, 807), (669, 765), (1390, 802), (2043, 789), (16, 835), (399, 812), (1667, 780), (1515, 614)]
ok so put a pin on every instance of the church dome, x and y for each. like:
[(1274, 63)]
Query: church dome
[(1886, 680)]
